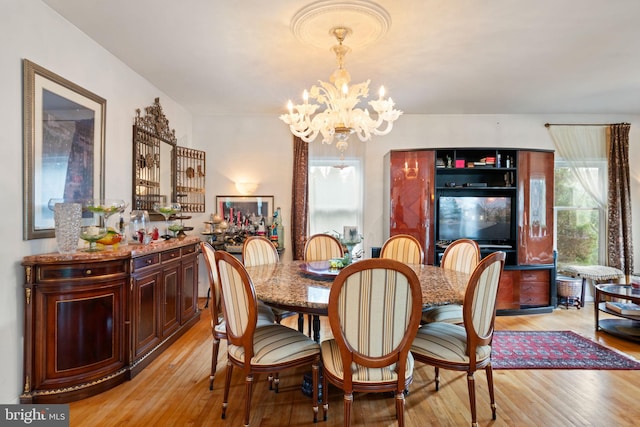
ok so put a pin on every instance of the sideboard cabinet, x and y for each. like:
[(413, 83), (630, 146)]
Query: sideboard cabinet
[(94, 320)]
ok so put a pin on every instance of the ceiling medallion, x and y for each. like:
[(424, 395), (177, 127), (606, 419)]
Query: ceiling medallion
[(368, 21)]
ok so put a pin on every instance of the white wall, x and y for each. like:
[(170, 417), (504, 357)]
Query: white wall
[(238, 148), (30, 29)]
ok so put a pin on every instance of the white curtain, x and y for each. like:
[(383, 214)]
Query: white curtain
[(335, 187), (580, 147)]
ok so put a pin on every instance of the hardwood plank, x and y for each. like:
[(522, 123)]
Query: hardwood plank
[(173, 390)]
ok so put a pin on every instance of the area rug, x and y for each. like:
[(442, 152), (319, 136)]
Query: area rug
[(554, 350)]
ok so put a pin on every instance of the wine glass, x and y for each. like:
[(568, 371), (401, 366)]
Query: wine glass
[(166, 210), (92, 234), (105, 207)]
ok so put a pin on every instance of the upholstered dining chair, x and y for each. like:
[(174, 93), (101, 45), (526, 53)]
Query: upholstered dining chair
[(403, 248), (374, 312), (322, 247), (258, 250), (466, 347), (270, 348), (461, 255), (218, 325)]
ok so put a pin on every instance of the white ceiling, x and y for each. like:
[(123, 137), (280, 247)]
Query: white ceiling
[(228, 57)]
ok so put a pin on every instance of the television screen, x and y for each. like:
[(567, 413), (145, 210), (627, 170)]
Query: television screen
[(482, 218)]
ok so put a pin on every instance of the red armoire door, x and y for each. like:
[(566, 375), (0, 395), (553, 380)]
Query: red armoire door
[(412, 197), (535, 210)]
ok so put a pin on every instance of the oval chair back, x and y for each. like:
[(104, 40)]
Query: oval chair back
[(403, 248), (461, 255), (258, 250), (322, 247)]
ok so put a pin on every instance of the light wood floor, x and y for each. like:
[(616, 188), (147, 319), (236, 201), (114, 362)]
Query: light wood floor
[(173, 391)]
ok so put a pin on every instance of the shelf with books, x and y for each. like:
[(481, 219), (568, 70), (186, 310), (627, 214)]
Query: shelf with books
[(627, 308)]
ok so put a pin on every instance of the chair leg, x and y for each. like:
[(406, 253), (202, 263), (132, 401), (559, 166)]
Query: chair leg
[(247, 398), (276, 382), (400, 408), (437, 378), (489, 371), (214, 361), (316, 377), (348, 399), (471, 382), (325, 397), (227, 385)]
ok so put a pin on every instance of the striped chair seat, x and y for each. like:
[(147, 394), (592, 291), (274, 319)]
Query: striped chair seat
[(449, 313), (447, 342), (276, 344), (333, 363)]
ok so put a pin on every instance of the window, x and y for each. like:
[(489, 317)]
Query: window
[(580, 220), (335, 189), (335, 196)]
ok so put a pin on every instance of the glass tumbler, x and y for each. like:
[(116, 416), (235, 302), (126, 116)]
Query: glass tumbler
[(67, 218)]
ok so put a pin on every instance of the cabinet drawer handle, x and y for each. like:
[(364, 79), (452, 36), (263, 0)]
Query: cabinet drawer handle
[(88, 272), (149, 261)]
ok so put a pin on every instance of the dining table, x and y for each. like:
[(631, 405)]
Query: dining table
[(304, 287)]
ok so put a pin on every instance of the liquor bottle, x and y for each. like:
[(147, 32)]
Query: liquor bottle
[(274, 228)]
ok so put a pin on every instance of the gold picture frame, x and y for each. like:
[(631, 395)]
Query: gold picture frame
[(64, 143)]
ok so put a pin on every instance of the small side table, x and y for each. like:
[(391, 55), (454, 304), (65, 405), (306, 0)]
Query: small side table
[(596, 273), (623, 326)]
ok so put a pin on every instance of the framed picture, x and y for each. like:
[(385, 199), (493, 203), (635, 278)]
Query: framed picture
[(64, 140), (237, 208)]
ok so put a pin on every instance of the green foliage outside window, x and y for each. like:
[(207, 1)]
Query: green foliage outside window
[(577, 221)]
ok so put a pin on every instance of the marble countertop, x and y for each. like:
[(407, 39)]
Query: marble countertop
[(122, 251)]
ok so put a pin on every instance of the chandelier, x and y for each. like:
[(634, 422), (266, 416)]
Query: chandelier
[(340, 118)]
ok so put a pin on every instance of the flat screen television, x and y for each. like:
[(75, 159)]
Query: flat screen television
[(481, 218)]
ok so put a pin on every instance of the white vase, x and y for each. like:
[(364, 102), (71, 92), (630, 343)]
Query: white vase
[(67, 217)]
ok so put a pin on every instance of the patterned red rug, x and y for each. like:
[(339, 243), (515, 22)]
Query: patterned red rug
[(554, 350)]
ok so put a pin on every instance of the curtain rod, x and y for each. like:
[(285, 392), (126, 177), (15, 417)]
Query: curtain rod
[(581, 124)]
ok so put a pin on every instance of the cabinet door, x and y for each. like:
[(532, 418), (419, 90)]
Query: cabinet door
[(189, 288), (81, 331), (169, 298), (508, 291), (145, 316), (412, 197), (535, 207)]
